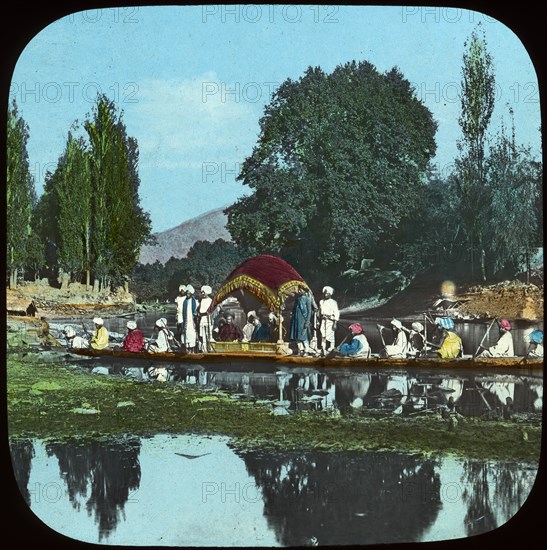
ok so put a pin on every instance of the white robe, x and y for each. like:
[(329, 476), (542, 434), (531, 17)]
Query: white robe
[(329, 312), (189, 334), (178, 301), (205, 324), (399, 346), (503, 347)]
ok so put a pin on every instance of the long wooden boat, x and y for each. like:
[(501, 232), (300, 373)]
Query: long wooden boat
[(317, 362)]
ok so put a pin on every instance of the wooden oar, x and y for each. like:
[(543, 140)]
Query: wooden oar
[(337, 348), (483, 339), (380, 328)]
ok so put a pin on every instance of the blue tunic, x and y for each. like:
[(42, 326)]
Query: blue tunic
[(300, 329), (351, 349), (261, 333)]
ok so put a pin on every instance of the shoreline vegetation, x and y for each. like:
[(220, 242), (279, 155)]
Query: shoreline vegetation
[(53, 402)]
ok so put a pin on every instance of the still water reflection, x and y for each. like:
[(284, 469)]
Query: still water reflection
[(191, 490), (381, 391)]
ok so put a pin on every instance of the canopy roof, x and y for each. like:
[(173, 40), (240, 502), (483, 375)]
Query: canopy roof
[(269, 278)]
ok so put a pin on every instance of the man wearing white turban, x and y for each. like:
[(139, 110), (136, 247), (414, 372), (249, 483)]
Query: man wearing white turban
[(204, 316), (99, 340), (134, 340), (399, 347), (73, 340), (189, 312), (329, 314)]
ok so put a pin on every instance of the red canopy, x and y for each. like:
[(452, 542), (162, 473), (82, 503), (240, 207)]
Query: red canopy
[(269, 278)]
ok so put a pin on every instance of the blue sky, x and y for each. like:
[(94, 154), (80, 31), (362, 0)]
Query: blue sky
[(192, 82)]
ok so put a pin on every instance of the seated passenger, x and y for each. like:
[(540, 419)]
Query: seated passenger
[(165, 341), (99, 340), (358, 347), (230, 332), (134, 340), (416, 340), (504, 346), (535, 344), (451, 345), (73, 341), (399, 346)]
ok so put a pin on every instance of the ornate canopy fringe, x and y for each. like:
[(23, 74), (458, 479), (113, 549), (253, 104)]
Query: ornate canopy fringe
[(269, 278)]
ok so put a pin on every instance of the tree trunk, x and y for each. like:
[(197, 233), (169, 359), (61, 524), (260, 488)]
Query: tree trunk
[(483, 264), (96, 286), (13, 278), (87, 279), (472, 259)]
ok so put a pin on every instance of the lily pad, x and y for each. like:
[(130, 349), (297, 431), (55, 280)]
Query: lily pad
[(83, 410), (204, 398), (125, 404), (45, 386)]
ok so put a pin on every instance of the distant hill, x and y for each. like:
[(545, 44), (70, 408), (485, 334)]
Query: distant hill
[(178, 241)]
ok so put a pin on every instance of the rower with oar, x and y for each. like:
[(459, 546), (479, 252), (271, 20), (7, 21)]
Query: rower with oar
[(399, 346), (358, 346), (504, 346)]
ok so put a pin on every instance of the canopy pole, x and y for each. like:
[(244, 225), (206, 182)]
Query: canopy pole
[(280, 323), (281, 348)]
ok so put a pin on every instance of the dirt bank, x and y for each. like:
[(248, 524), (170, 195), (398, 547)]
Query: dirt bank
[(508, 299), (74, 301)]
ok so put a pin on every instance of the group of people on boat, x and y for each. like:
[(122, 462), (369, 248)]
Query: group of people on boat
[(312, 330)]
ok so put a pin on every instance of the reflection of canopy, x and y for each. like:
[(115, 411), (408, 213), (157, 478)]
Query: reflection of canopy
[(269, 278)]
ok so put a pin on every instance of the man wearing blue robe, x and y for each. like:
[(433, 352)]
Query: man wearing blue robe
[(300, 329)]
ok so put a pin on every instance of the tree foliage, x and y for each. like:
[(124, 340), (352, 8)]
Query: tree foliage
[(19, 192), (477, 105), (90, 211), (206, 264), (338, 161), (515, 182)]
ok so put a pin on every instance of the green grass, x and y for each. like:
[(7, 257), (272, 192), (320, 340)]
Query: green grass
[(48, 401)]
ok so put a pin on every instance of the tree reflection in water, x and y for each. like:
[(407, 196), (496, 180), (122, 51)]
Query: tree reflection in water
[(346, 498), (487, 509), (111, 470), (22, 453)]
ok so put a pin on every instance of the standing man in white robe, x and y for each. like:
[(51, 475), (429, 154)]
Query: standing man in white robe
[(178, 300), (189, 312), (204, 316), (329, 314)]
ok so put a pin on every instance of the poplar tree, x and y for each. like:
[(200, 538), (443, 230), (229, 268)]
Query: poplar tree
[(19, 193), (73, 191), (477, 105), (119, 225)]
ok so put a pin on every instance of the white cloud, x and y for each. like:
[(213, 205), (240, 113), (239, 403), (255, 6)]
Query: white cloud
[(183, 123)]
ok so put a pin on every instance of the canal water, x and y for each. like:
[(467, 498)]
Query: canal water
[(190, 490), (196, 490)]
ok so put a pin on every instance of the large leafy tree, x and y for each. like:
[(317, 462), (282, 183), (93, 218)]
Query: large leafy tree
[(477, 105), (337, 163), (19, 193)]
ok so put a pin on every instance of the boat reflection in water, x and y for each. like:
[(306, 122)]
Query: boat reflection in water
[(190, 490), (388, 391)]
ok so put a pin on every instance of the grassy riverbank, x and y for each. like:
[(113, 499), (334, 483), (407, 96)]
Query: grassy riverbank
[(58, 402)]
